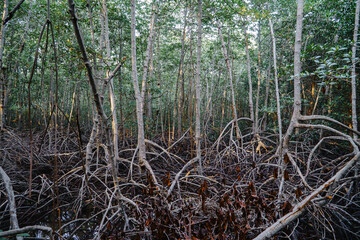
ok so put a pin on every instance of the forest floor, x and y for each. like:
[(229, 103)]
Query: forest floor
[(236, 196)]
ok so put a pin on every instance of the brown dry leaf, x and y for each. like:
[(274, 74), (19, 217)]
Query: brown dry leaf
[(286, 158)]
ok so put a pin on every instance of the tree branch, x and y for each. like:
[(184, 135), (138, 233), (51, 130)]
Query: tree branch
[(12, 12), (25, 229), (300, 207), (320, 117)]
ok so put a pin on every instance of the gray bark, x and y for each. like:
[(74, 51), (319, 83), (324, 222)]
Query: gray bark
[(297, 71), (25, 229), (181, 77), (353, 70), (139, 112), (94, 130), (251, 104), (276, 81), (231, 84), (139, 95), (11, 199), (297, 90), (198, 88), (258, 83), (114, 122)]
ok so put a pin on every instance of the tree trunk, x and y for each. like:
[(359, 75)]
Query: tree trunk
[(231, 84), (258, 83), (160, 85), (276, 81), (191, 93), (297, 71), (11, 199), (114, 123), (96, 123), (96, 97), (198, 88), (353, 71), (251, 105), (120, 93), (2, 73), (181, 78), (148, 89), (267, 88), (297, 90), (139, 95)]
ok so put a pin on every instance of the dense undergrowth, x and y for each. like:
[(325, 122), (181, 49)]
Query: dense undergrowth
[(236, 197)]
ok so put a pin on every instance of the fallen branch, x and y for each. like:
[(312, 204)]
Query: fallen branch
[(300, 207), (25, 229), (12, 207)]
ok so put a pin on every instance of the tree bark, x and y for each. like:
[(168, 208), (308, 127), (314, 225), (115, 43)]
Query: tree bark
[(96, 123), (198, 88), (114, 122), (158, 63), (297, 89), (139, 112), (97, 100), (237, 129), (353, 70), (267, 90), (297, 71), (11, 199), (139, 95), (258, 82), (251, 104), (276, 81), (2, 73), (26, 229), (181, 77)]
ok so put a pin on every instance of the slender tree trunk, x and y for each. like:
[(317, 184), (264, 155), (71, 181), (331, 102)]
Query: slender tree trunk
[(235, 117), (181, 77), (297, 70), (2, 73), (297, 90), (11, 200), (267, 88), (96, 123), (148, 58), (158, 63), (73, 103), (198, 89), (191, 93), (223, 105), (120, 93), (114, 123), (147, 55), (96, 96), (148, 89), (139, 95), (276, 81), (258, 83), (353, 71), (251, 105)]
